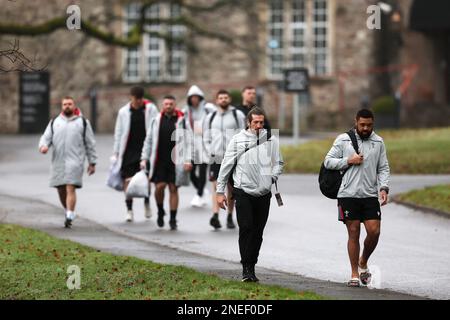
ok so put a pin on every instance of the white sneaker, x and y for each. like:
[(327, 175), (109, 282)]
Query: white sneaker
[(203, 201), (148, 211), (196, 201), (70, 215), (129, 217)]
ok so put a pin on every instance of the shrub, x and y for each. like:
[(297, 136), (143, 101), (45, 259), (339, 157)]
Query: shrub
[(384, 105)]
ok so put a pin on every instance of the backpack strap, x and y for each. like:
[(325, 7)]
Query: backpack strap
[(84, 129), (51, 126), (352, 135), (235, 117), (211, 119)]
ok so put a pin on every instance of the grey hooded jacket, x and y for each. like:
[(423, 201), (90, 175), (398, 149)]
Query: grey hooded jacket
[(223, 127), (256, 168), (360, 181), (70, 149), (193, 123)]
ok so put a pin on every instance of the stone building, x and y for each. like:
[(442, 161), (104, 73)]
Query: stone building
[(349, 64)]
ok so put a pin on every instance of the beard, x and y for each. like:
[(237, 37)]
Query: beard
[(68, 112), (364, 135)]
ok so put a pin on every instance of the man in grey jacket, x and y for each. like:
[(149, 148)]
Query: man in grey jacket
[(364, 187), (72, 139), (219, 127), (254, 160)]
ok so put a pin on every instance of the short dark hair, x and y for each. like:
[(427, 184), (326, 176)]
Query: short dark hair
[(364, 113), (169, 96), (257, 111), (137, 92), (222, 91), (68, 98), (248, 88)]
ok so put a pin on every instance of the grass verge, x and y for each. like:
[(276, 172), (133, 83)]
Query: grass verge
[(436, 197), (409, 151), (34, 265)]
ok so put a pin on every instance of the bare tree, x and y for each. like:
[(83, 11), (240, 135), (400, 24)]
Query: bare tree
[(18, 61), (92, 27)]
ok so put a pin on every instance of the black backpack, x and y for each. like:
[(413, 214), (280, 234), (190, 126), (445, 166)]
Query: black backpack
[(330, 180)]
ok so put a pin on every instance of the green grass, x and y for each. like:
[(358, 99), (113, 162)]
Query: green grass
[(436, 197), (34, 266), (418, 151)]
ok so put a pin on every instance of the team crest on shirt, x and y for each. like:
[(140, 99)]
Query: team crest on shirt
[(346, 213)]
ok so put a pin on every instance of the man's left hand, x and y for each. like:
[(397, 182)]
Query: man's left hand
[(222, 201), (383, 197), (91, 169)]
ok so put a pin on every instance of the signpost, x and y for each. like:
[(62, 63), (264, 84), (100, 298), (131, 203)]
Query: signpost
[(34, 99), (297, 81)]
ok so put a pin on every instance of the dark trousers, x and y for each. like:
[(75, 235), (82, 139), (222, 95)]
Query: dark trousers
[(252, 213), (200, 180)]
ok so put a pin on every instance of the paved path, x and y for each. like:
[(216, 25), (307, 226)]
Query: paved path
[(301, 238), (42, 216)]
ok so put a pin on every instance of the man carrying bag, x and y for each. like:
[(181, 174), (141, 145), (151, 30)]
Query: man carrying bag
[(255, 162)]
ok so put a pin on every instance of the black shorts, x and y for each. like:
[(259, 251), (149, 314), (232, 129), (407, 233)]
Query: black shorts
[(361, 209), (129, 170), (214, 169), (164, 172)]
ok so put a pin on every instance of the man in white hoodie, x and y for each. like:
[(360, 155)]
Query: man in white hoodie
[(132, 124), (195, 112), (253, 159)]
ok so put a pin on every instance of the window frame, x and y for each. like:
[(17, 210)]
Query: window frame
[(310, 51), (145, 53)]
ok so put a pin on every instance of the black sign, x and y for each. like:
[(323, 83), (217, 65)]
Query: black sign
[(34, 101), (296, 80)]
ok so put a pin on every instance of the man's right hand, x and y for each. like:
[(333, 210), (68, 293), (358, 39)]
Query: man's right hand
[(43, 149), (356, 159), (143, 164)]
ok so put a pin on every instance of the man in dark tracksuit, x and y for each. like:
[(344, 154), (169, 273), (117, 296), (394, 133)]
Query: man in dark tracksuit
[(254, 160)]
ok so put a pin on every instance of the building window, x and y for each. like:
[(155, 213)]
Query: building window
[(298, 36), (155, 60)]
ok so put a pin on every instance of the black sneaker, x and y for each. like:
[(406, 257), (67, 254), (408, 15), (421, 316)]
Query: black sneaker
[(68, 223), (160, 220), (173, 224), (246, 274), (215, 222), (252, 273), (230, 223)]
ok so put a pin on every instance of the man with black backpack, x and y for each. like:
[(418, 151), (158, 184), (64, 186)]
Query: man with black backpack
[(218, 129), (72, 139), (364, 186)]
